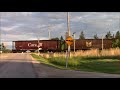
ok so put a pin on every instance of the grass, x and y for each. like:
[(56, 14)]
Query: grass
[(103, 61), (45, 61), (42, 60), (89, 53), (106, 66)]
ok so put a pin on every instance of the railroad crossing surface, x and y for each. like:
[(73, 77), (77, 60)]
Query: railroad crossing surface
[(22, 65)]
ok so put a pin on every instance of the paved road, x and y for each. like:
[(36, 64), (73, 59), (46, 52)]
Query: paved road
[(22, 65), (16, 66)]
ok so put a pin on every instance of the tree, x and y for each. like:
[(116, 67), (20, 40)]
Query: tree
[(117, 36), (116, 40), (113, 36), (62, 43), (108, 35), (116, 43), (96, 37), (82, 35), (2, 47), (61, 38)]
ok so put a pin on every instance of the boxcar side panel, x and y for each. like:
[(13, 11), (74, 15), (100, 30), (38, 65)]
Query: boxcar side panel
[(92, 43), (33, 45)]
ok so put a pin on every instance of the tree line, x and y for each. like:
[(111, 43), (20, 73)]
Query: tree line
[(107, 36)]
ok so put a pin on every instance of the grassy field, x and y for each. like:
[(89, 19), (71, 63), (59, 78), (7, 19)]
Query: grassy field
[(99, 61)]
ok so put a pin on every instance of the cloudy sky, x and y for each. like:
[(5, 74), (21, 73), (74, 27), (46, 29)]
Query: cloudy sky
[(33, 25)]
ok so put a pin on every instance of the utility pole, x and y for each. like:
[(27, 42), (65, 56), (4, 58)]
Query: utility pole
[(68, 27), (68, 23), (38, 45), (0, 42), (74, 40), (119, 23), (102, 42), (0, 39), (49, 32)]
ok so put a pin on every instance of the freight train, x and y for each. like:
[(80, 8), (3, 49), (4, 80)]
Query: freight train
[(58, 45)]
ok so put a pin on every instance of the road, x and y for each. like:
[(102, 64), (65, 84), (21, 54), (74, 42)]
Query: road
[(17, 65), (22, 65)]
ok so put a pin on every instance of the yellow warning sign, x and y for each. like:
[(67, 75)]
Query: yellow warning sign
[(69, 40)]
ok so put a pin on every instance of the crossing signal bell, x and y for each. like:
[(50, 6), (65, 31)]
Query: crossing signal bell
[(69, 40)]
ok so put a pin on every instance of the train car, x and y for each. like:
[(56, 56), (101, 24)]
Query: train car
[(86, 44), (32, 45), (54, 45)]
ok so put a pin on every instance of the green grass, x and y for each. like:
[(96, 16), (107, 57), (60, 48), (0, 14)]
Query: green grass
[(46, 61), (42, 60), (106, 64)]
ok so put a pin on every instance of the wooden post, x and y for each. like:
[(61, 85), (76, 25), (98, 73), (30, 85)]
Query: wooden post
[(68, 26)]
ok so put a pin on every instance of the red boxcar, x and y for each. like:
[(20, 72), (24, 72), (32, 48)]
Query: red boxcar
[(33, 45), (92, 43)]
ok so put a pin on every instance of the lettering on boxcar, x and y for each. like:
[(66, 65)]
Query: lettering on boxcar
[(34, 45), (40, 44)]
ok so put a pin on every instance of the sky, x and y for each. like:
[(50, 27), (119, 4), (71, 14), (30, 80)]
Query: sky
[(16, 26)]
